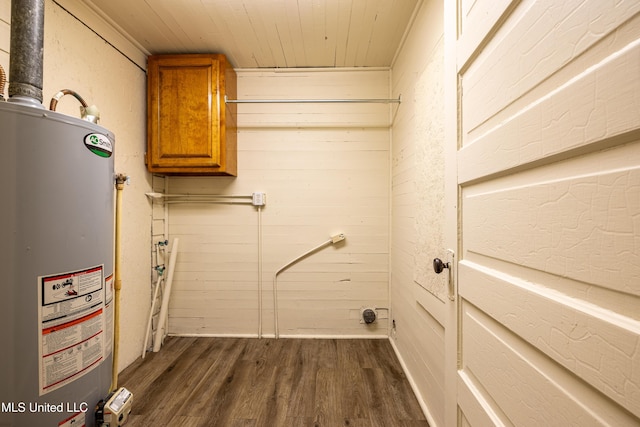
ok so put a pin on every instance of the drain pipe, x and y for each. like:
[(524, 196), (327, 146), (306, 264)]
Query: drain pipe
[(26, 47)]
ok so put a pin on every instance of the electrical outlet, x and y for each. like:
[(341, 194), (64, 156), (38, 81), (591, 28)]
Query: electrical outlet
[(258, 199), (368, 315)]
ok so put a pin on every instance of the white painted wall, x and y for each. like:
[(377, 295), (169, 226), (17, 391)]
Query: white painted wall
[(5, 31), (77, 59), (418, 215), (325, 171)]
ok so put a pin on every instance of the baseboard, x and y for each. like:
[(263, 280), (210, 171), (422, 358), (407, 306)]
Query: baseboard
[(320, 337), (335, 337), (215, 335)]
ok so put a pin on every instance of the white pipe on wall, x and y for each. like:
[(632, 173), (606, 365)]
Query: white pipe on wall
[(189, 198), (164, 308), (259, 271), (166, 212), (212, 202), (153, 307), (155, 195), (315, 101), (334, 239), (201, 198)]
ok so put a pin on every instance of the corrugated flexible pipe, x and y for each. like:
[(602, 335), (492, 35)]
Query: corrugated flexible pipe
[(89, 113), (63, 92), (3, 82)]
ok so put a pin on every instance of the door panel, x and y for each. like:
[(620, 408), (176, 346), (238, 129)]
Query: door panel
[(549, 185), (574, 109), (575, 219), (596, 346), (524, 386)]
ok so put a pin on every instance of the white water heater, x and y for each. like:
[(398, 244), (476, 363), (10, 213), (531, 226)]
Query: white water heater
[(57, 210)]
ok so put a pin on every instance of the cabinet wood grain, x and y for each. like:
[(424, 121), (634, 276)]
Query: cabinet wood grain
[(190, 128)]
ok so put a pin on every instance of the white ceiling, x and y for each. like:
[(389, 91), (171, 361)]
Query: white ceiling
[(267, 33)]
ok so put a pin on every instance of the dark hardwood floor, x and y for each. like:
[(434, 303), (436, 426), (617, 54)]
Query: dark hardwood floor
[(233, 382)]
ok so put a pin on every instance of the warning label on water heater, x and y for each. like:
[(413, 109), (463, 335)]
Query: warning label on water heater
[(72, 322)]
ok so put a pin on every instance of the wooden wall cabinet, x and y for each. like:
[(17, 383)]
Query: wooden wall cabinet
[(190, 129)]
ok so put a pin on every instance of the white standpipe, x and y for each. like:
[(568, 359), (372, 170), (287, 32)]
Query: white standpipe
[(157, 342), (332, 241), (157, 286)]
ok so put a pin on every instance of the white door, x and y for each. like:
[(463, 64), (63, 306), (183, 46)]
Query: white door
[(548, 170)]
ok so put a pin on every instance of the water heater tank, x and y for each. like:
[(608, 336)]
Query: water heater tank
[(57, 210)]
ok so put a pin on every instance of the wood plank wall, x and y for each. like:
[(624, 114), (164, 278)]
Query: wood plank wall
[(417, 293), (325, 170), (5, 34)]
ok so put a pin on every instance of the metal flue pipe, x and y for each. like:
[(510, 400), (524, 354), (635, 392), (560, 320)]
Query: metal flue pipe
[(27, 43)]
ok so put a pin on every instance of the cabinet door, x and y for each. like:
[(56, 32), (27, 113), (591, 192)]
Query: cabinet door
[(184, 106)]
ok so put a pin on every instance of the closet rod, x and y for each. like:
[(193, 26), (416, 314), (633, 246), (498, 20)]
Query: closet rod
[(313, 101)]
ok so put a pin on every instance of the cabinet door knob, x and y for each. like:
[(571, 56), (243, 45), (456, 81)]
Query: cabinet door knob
[(439, 265)]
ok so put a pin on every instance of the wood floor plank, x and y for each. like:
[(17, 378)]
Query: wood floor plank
[(259, 391), (186, 421), (238, 382), (215, 394), (171, 385), (328, 403), (354, 402), (397, 385), (231, 395), (377, 397), (303, 388), (144, 371), (277, 406)]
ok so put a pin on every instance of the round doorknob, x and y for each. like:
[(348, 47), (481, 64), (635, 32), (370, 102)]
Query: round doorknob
[(439, 265)]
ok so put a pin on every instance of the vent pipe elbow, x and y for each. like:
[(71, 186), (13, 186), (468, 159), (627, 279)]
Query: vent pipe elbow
[(26, 49)]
